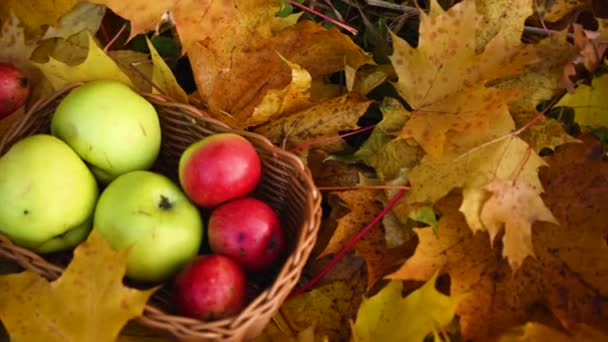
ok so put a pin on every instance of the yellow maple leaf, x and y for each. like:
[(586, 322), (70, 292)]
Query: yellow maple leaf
[(589, 103), (461, 121), (445, 61), (516, 206), (35, 13), (506, 16), (540, 80), (387, 316), (88, 302), (97, 65), (509, 159), (163, 77), (444, 77)]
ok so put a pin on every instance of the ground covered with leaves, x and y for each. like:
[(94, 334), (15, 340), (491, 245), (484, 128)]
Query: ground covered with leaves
[(460, 147)]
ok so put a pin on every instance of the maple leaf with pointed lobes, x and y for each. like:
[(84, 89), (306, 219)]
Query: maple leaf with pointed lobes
[(444, 78), (514, 205), (569, 274), (97, 65), (94, 303), (502, 160), (387, 316), (461, 121)]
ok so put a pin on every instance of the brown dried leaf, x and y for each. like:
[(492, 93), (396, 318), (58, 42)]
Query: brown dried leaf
[(234, 72), (363, 208), (323, 120)]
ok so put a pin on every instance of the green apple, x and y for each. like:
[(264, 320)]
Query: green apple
[(149, 213), (113, 128), (47, 193)]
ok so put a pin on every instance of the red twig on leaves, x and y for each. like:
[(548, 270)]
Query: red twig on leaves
[(330, 139), (393, 201), (331, 20)]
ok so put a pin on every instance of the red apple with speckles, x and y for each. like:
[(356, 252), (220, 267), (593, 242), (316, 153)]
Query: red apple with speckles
[(218, 168), (247, 230), (211, 287), (14, 89)]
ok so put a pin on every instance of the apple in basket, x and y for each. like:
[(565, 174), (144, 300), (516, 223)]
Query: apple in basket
[(247, 230), (218, 168), (14, 89), (210, 287), (150, 214), (47, 194), (111, 127)]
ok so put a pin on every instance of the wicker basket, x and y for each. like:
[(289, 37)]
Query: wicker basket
[(286, 185)]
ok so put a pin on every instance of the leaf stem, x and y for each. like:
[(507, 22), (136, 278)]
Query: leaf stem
[(329, 139), (537, 117), (393, 201), (331, 20), (115, 38)]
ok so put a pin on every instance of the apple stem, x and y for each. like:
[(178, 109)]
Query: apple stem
[(352, 30), (329, 139), (393, 201)]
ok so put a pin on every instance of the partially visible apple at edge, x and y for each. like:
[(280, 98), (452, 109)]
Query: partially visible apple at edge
[(47, 194)]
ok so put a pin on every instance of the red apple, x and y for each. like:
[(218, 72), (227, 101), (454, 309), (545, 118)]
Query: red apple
[(211, 287), (14, 89), (247, 230), (219, 168)]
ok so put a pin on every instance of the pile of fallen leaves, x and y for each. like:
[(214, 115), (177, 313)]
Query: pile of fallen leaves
[(469, 200)]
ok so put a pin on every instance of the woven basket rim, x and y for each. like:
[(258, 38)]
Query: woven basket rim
[(152, 316)]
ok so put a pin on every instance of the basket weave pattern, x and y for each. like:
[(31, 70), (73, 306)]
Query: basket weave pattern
[(286, 185)]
